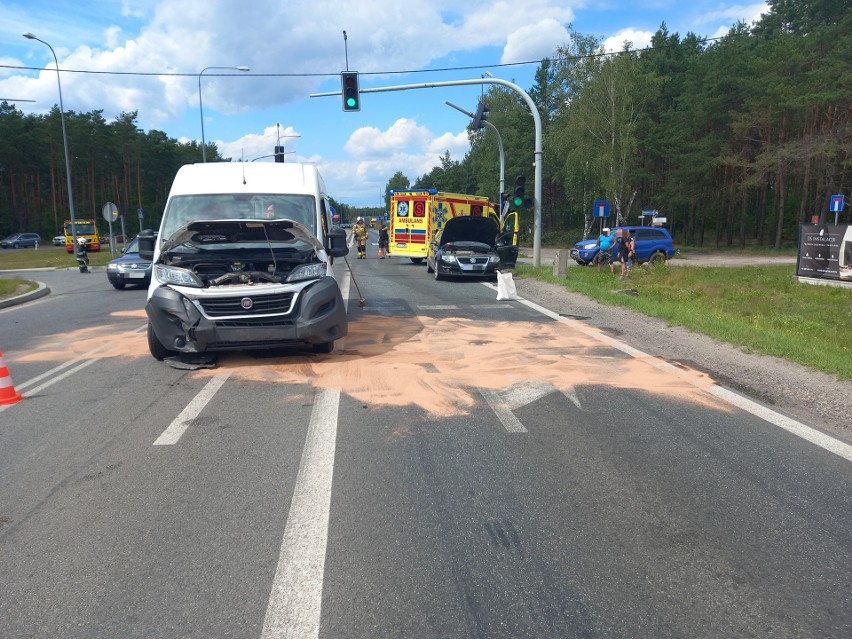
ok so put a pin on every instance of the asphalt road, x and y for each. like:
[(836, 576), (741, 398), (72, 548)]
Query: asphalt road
[(458, 467)]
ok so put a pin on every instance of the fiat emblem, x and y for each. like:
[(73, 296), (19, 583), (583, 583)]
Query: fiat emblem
[(246, 303)]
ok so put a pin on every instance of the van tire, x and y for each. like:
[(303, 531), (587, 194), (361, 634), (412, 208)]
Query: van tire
[(657, 258), (325, 347), (158, 351), (416, 260)]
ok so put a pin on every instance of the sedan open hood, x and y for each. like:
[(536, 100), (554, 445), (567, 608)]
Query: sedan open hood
[(466, 228), (211, 232)]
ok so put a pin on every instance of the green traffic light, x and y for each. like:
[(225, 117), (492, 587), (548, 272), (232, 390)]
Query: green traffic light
[(350, 102), (517, 201)]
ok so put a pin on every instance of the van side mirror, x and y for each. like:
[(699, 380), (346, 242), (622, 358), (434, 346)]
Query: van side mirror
[(335, 243), (146, 244)]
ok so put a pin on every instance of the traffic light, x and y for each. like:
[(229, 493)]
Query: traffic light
[(350, 91), (481, 114), (518, 199)]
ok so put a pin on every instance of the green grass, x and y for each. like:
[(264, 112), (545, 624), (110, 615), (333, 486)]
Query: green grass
[(43, 257), (15, 286), (48, 257), (759, 308)]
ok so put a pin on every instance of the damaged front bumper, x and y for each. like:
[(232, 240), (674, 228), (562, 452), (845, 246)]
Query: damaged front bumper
[(247, 317)]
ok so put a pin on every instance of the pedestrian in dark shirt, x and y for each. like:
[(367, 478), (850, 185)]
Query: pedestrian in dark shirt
[(383, 241)]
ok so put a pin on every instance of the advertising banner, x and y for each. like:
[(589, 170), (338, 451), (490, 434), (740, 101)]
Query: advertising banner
[(825, 252)]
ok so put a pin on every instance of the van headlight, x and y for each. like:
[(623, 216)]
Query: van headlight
[(177, 276), (307, 272)]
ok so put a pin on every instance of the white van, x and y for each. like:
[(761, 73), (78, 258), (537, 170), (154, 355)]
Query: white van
[(243, 260)]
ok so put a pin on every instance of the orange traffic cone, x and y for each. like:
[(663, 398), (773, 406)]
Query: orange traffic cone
[(380, 252), (7, 389)]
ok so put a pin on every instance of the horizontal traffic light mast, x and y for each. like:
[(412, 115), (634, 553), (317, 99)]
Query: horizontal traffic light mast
[(538, 154)]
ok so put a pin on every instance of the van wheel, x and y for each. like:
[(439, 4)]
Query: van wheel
[(416, 260), (325, 347), (158, 351), (658, 258)]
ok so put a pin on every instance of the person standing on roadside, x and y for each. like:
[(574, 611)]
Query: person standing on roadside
[(605, 242), (383, 241), (623, 243), (360, 233)]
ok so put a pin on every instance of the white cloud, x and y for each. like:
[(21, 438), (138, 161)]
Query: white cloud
[(638, 39), (257, 146), (534, 41), (402, 134)]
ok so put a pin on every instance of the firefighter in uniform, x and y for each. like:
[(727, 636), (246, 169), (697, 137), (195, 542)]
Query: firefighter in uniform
[(360, 233)]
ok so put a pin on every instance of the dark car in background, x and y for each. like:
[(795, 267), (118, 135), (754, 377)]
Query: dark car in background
[(466, 247), (129, 268), (21, 240), (653, 244)]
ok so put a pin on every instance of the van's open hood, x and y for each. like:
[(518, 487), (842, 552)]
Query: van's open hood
[(208, 232), (466, 228)]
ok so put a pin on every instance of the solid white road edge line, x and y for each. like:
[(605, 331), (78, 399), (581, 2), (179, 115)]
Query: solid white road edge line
[(296, 598), (177, 428), (799, 429)]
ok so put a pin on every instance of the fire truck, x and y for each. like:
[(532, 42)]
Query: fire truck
[(418, 215)]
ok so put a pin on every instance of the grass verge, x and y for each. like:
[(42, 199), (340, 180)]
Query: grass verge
[(759, 308), (10, 286)]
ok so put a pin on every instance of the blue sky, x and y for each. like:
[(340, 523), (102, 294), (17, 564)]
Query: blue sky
[(295, 48)]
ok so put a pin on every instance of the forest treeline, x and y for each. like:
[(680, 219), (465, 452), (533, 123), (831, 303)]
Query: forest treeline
[(734, 141)]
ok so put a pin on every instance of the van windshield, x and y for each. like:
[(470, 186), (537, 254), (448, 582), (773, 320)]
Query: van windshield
[(183, 209)]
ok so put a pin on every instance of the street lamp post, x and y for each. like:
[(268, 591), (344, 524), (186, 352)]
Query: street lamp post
[(201, 108), (30, 36)]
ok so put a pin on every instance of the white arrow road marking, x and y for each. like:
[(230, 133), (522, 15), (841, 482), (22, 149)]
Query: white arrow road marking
[(525, 393), (504, 402), (502, 410), (804, 431)]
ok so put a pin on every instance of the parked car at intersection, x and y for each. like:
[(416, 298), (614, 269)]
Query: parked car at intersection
[(653, 244), (129, 268), (21, 240), (466, 247)]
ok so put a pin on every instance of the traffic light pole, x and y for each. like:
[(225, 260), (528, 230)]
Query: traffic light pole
[(537, 160), (499, 147)]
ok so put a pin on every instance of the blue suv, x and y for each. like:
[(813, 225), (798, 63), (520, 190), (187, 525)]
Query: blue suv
[(653, 244)]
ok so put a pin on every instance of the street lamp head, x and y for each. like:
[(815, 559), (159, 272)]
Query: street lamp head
[(243, 69), (29, 36)]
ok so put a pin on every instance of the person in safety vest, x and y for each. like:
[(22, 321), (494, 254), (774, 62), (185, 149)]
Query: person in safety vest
[(360, 233)]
